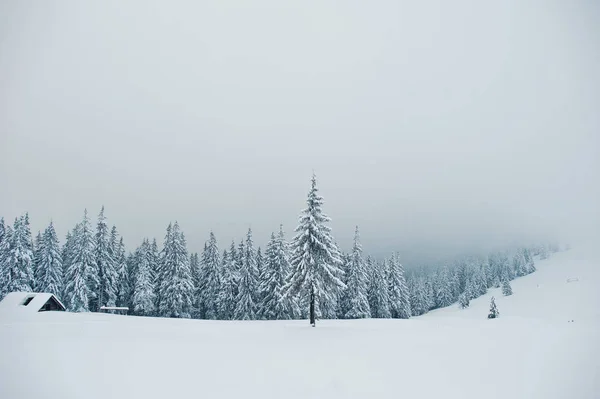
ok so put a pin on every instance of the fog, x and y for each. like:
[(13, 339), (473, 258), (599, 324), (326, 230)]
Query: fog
[(435, 126)]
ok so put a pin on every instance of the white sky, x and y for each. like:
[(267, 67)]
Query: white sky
[(433, 125)]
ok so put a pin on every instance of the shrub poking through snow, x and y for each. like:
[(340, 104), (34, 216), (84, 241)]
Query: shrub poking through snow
[(493, 310)]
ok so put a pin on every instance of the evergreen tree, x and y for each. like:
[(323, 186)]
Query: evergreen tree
[(419, 304), (228, 291), (519, 263), (124, 289), (248, 283), (398, 290), (4, 250), (493, 310), (143, 293), (105, 264), (463, 300), (277, 306), (379, 298), (37, 249), (315, 259), (18, 263), (177, 287), (529, 262), (209, 283), (357, 289), (506, 288), (81, 278), (260, 275), (49, 271), (195, 269), (444, 291)]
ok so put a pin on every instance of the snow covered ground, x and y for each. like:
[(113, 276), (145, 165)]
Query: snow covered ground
[(533, 350)]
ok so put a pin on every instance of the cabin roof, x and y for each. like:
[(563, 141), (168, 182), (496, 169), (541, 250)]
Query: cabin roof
[(15, 301)]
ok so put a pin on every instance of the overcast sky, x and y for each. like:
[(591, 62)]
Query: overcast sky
[(431, 124)]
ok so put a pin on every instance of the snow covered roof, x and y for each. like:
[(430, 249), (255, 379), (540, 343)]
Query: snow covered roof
[(30, 302)]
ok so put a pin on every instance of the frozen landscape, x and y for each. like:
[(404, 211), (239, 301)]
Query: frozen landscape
[(544, 345)]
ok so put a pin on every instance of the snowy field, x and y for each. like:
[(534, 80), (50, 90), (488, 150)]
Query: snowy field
[(531, 351)]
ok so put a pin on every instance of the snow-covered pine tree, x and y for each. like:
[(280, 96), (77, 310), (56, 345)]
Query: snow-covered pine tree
[(228, 291), (443, 295), (49, 272), (124, 289), (81, 275), (3, 254), (494, 313), (418, 297), (246, 306), (506, 288), (463, 300), (37, 249), (209, 282), (379, 298), (195, 269), (143, 293), (105, 264), (357, 288), (529, 262), (344, 300), (177, 288), (430, 293), (398, 289), (315, 259), (160, 272), (260, 267), (519, 263), (277, 306), (264, 277), (18, 263)]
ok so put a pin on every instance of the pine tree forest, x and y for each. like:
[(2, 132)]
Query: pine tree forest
[(307, 276)]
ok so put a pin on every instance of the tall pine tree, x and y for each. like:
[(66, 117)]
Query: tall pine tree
[(81, 278), (209, 282), (49, 271), (176, 289), (315, 259), (398, 289), (246, 306), (107, 273), (357, 280)]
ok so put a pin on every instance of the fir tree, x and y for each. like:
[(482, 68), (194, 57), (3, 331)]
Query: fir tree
[(463, 300), (399, 294), (49, 272), (209, 283), (419, 303), (506, 288), (124, 289), (143, 293), (519, 263), (37, 255), (276, 306), (316, 264), (493, 310), (107, 273), (177, 288), (248, 283), (357, 289), (81, 278), (379, 298), (18, 263), (444, 290), (4, 250), (228, 290), (529, 262), (260, 275)]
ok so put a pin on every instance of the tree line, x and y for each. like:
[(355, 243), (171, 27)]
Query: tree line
[(307, 277)]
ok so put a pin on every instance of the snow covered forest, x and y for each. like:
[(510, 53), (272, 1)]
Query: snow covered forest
[(240, 281)]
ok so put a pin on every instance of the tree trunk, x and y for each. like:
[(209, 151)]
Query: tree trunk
[(312, 306)]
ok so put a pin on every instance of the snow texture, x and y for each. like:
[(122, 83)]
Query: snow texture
[(545, 346)]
